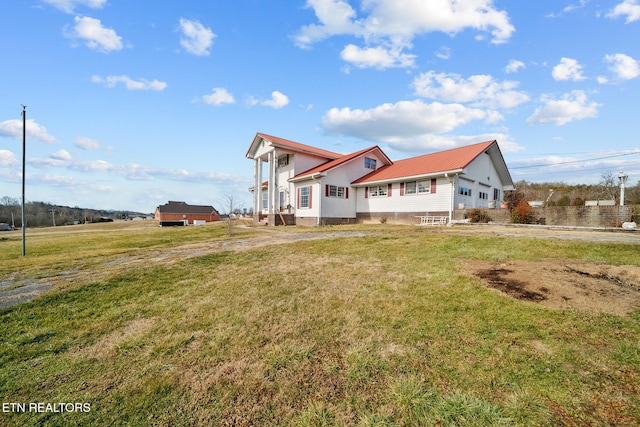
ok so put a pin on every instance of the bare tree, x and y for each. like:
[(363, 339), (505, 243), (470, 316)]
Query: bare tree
[(231, 205), (608, 187), (9, 201)]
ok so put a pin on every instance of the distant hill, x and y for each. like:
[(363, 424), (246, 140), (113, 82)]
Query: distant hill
[(42, 214)]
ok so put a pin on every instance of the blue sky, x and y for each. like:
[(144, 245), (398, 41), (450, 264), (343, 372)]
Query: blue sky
[(134, 103)]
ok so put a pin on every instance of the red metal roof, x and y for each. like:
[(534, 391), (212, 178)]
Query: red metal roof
[(339, 161), (295, 146), (442, 161)]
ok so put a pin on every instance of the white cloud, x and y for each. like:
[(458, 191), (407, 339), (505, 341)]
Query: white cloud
[(430, 142), (197, 39), (61, 155), (60, 161), (89, 144), (7, 158), (129, 83), (571, 106), (219, 96), (568, 69), (624, 66), (404, 119), (393, 24), (377, 57), (278, 100), (443, 53), (404, 19), (628, 8), (95, 35), (13, 129), (481, 90), (514, 66), (68, 6), (335, 18), (573, 7)]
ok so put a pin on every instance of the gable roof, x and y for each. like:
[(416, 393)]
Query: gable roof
[(291, 146), (448, 161), (183, 208), (325, 167)]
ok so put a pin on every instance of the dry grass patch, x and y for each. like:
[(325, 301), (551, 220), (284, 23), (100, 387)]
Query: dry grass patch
[(378, 328)]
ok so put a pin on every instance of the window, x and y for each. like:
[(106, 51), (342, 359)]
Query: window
[(483, 195), (464, 191), (283, 161), (420, 187), (369, 163), (265, 200), (377, 191), (424, 187), (304, 197), (336, 191)]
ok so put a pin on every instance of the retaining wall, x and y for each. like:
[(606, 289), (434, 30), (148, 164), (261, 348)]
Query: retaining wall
[(576, 216)]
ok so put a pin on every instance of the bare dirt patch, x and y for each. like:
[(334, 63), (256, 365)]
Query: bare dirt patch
[(567, 284)]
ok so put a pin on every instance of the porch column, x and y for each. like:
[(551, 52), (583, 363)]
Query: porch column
[(275, 199), (452, 197), (257, 186), (272, 186)]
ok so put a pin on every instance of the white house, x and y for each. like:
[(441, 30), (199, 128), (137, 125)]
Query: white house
[(310, 186)]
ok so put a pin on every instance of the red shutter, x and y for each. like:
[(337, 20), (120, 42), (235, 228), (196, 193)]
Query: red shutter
[(346, 192), (433, 185), (402, 188), (366, 192), (298, 204), (326, 190), (310, 188), (389, 186)]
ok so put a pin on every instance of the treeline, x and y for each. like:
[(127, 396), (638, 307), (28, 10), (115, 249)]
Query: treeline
[(561, 194), (41, 214)]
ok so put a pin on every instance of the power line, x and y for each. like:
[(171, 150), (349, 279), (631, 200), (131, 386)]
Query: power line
[(566, 172), (574, 161)]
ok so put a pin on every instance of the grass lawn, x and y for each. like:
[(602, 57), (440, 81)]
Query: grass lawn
[(380, 329)]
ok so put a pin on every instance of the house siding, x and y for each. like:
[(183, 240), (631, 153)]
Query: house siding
[(414, 204), (480, 176)]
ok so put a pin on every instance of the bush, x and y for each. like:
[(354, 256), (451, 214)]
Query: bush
[(635, 214), (478, 216), (522, 214), (513, 198)]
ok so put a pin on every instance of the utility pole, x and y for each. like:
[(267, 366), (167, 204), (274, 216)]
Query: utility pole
[(622, 177), (24, 149)]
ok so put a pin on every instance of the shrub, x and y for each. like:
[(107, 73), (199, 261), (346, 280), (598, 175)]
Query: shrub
[(635, 214), (478, 215), (522, 214), (513, 198)]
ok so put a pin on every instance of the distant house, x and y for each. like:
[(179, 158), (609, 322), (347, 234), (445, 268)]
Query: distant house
[(311, 186), (180, 213)]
